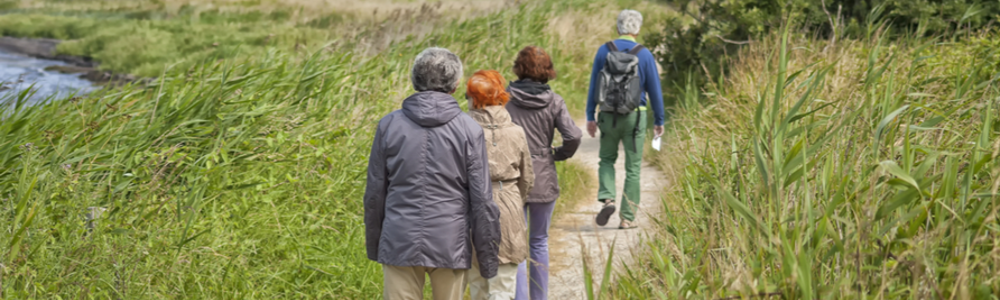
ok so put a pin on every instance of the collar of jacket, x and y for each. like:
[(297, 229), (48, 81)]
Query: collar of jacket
[(495, 115), (529, 86), (627, 38)]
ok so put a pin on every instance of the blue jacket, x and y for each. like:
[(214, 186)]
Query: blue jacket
[(649, 78)]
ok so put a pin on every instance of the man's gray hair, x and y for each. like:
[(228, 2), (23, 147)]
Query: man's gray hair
[(436, 69), (629, 22)]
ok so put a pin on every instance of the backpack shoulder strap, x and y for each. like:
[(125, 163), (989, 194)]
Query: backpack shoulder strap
[(612, 47), (635, 50)]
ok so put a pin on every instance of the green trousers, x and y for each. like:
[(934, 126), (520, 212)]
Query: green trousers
[(614, 132)]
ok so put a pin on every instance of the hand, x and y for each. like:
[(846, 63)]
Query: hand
[(591, 128), (658, 131)]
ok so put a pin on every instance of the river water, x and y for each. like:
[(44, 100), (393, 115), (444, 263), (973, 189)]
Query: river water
[(18, 72)]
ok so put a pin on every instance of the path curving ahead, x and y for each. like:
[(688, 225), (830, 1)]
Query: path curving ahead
[(574, 235)]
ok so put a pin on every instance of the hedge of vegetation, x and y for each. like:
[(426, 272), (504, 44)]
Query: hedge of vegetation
[(699, 42)]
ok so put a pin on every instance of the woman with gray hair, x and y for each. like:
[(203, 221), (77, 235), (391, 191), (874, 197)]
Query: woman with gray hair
[(428, 202)]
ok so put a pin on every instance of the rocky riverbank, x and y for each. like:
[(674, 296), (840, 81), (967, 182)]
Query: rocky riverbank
[(46, 49)]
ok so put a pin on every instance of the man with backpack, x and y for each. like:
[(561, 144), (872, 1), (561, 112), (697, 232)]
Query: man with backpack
[(624, 73)]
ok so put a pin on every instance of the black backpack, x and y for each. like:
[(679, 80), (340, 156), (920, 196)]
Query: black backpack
[(619, 89)]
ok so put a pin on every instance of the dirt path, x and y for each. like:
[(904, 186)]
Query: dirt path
[(574, 235)]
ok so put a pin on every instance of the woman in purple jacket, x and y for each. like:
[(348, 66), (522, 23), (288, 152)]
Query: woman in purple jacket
[(540, 111)]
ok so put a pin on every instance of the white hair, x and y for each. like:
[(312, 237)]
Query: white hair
[(436, 69), (629, 22)]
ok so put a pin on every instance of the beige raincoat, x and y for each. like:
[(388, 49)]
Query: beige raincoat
[(512, 176)]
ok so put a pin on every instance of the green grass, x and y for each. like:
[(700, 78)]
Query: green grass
[(237, 181), (237, 178), (148, 47), (863, 170), (145, 39), (577, 185)]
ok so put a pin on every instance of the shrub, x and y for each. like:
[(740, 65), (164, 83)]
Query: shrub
[(720, 27)]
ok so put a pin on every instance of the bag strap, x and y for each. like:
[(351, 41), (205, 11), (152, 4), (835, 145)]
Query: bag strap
[(635, 130), (635, 50), (611, 46)]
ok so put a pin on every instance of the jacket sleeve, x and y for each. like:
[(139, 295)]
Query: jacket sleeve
[(527, 180), (375, 191), (653, 90), (591, 93), (570, 133), (484, 214)]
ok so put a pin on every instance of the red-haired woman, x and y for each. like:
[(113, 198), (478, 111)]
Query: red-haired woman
[(512, 176), (541, 112)]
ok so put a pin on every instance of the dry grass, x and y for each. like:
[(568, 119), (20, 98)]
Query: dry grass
[(149, 27), (302, 10), (368, 26)]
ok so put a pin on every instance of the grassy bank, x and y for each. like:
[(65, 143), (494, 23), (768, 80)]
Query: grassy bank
[(861, 169), (235, 178), (147, 37), (576, 183)]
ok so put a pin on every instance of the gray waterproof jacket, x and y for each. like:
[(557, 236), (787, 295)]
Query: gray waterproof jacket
[(540, 111), (429, 199)]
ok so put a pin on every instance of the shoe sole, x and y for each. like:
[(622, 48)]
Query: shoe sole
[(625, 228), (605, 214)]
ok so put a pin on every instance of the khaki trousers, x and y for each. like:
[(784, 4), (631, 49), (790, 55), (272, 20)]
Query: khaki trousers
[(501, 287), (407, 283)]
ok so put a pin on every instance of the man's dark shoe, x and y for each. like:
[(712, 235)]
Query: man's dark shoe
[(606, 212)]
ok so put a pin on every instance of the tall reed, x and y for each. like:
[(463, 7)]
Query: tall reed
[(239, 178), (862, 170)]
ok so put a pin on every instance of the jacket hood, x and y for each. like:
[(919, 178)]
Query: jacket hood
[(531, 95), (492, 115), (430, 108)]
